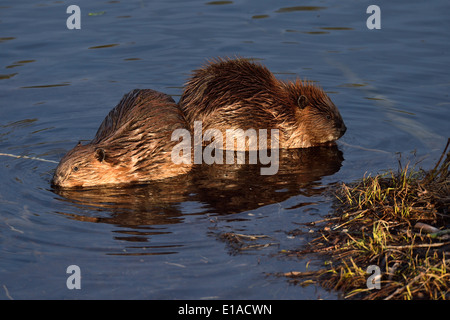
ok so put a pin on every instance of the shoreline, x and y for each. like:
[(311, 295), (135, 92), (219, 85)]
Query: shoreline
[(388, 238)]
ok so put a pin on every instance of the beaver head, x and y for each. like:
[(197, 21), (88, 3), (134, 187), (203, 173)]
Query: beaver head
[(316, 120), (83, 166)]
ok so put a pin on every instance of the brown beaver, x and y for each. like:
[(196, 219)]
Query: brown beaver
[(133, 144), (239, 94)]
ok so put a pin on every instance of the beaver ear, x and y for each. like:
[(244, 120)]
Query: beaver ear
[(100, 154), (302, 101)]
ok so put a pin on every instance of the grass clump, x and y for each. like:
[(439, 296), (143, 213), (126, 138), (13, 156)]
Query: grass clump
[(396, 222)]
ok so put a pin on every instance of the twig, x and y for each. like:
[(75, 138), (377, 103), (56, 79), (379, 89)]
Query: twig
[(430, 175), (432, 245), (27, 157), (7, 293)]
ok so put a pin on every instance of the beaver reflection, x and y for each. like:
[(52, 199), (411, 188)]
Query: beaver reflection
[(130, 205), (233, 188), (224, 188)]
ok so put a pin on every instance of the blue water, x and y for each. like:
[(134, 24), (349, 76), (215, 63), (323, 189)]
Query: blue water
[(164, 241)]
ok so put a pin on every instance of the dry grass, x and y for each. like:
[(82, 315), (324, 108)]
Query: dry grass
[(398, 222)]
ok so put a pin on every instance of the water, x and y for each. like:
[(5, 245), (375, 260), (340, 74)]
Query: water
[(165, 241)]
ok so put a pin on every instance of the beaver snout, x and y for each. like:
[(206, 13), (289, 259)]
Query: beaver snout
[(57, 180), (343, 129)]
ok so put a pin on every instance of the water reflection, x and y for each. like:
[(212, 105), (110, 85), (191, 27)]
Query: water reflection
[(221, 189), (237, 188), (130, 206)]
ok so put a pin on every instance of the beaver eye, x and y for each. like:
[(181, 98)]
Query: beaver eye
[(75, 169)]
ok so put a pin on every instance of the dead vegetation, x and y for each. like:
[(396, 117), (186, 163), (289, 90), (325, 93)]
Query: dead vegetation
[(240, 242), (397, 222)]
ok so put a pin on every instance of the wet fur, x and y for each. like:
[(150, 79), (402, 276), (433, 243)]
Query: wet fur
[(239, 94), (133, 144)]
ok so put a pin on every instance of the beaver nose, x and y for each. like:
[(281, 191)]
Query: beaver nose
[(343, 129), (56, 181), (53, 182)]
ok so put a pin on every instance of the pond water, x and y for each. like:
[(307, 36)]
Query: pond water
[(166, 240)]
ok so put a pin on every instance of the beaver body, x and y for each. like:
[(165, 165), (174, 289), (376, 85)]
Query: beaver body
[(132, 145), (232, 94)]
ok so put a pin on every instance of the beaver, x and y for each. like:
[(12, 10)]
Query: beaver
[(132, 145), (240, 94)]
